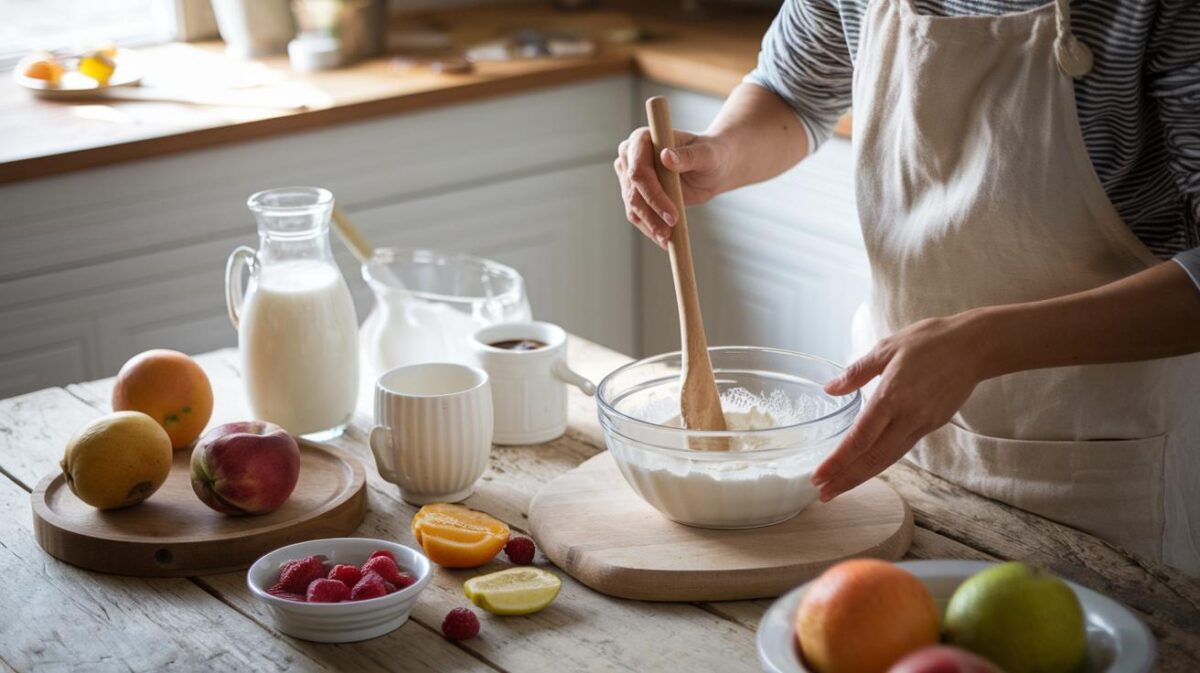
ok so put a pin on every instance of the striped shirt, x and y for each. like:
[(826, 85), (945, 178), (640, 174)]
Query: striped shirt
[(1139, 107)]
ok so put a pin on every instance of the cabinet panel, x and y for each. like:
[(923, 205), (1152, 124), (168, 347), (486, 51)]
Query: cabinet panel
[(36, 357)]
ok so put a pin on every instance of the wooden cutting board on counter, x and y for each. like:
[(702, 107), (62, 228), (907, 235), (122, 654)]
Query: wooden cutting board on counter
[(173, 534), (592, 524)]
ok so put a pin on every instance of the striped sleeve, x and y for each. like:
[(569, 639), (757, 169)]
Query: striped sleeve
[(805, 60), (1173, 80)]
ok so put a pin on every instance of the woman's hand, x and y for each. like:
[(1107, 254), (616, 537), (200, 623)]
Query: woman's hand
[(927, 371), (702, 164)]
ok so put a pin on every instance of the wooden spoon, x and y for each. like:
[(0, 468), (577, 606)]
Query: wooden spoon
[(699, 402)]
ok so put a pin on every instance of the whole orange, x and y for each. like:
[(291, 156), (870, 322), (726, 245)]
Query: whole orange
[(169, 387), (862, 616)]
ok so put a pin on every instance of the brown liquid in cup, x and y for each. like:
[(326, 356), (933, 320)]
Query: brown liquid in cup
[(519, 345)]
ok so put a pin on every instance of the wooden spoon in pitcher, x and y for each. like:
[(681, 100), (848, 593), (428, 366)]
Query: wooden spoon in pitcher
[(699, 402)]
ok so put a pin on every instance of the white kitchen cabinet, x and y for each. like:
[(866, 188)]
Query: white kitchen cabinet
[(98, 265), (778, 264)]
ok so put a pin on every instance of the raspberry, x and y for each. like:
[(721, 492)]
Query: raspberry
[(386, 568), (326, 591), (460, 624), (382, 552), (279, 592), (404, 581), (520, 550), (346, 574), (295, 576), (370, 586)]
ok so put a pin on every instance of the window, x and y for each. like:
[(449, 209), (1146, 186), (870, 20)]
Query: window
[(69, 24)]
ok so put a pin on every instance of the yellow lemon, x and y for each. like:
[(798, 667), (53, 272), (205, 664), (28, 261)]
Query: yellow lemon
[(97, 66), (516, 591), (117, 460)]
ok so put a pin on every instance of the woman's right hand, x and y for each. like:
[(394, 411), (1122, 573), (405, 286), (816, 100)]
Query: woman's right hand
[(701, 162)]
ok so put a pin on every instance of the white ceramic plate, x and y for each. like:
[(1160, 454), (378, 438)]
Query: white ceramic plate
[(1117, 639), (128, 72)]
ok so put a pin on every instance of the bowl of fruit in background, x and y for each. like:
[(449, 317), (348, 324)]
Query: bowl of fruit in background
[(972, 616), (339, 590)]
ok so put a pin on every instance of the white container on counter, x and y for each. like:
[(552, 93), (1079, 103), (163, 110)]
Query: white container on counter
[(529, 384)]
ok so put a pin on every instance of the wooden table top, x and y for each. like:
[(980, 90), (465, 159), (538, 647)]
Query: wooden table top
[(709, 53), (62, 618)]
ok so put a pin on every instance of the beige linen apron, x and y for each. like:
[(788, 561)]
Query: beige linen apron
[(974, 188)]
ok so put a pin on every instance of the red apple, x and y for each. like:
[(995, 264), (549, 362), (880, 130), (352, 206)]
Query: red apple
[(242, 468), (943, 659)]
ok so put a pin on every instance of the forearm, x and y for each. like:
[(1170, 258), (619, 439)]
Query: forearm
[(761, 135), (1151, 314)]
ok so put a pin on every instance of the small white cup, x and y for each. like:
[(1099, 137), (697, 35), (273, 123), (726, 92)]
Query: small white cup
[(529, 392), (433, 430)]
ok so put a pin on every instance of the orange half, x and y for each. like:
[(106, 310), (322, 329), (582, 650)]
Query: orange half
[(454, 536)]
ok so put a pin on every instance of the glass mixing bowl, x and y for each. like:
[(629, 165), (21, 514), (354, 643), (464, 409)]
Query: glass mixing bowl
[(764, 477), (429, 304)]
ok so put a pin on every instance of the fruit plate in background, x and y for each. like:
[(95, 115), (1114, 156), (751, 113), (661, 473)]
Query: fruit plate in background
[(1117, 640), (174, 534), (128, 72)]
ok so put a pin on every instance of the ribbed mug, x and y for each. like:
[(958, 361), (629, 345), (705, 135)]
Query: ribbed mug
[(433, 430)]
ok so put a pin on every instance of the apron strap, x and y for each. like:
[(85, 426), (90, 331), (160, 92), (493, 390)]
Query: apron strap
[(1073, 56)]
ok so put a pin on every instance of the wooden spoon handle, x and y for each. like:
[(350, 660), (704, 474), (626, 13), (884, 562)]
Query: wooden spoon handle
[(699, 402)]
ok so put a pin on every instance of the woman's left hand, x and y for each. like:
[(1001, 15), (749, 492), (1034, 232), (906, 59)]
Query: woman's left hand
[(927, 371)]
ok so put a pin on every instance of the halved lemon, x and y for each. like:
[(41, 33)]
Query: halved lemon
[(516, 591)]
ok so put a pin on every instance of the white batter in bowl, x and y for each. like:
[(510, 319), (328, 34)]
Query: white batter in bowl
[(781, 426)]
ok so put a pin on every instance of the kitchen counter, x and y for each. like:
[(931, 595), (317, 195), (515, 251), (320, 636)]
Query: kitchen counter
[(74, 619), (709, 54)]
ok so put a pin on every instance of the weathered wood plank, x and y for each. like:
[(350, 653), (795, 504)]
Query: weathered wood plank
[(582, 631), (61, 618), (38, 446)]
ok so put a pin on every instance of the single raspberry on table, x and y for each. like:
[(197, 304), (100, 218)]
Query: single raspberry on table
[(346, 574), (382, 552), (326, 591), (279, 592), (386, 568), (460, 624), (370, 586), (295, 576), (520, 550)]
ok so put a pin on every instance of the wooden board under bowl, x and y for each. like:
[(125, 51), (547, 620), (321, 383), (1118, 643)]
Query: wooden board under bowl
[(173, 534), (592, 525)]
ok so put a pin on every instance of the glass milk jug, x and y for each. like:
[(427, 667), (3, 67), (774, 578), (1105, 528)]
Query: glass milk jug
[(297, 332)]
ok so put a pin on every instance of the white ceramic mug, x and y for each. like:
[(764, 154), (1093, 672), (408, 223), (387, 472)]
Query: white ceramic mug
[(529, 391), (433, 430)]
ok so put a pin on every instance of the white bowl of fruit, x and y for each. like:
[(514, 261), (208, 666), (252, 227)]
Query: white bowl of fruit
[(963, 616), (339, 590)]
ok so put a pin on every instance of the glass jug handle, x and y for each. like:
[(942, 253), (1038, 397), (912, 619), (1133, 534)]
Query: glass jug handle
[(242, 257)]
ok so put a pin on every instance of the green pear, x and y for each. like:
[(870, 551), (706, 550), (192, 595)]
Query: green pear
[(1023, 619)]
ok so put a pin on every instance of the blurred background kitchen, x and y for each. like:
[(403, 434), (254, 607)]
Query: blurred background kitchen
[(132, 131)]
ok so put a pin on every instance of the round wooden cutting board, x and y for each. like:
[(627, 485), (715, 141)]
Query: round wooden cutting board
[(592, 524), (174, 534)]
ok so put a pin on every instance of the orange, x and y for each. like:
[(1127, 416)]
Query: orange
[(862, 616), (169, 387), (45, 68), (454, 536)]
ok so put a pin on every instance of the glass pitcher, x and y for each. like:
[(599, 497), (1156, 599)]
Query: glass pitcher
[(297, 332), (429, 304)]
